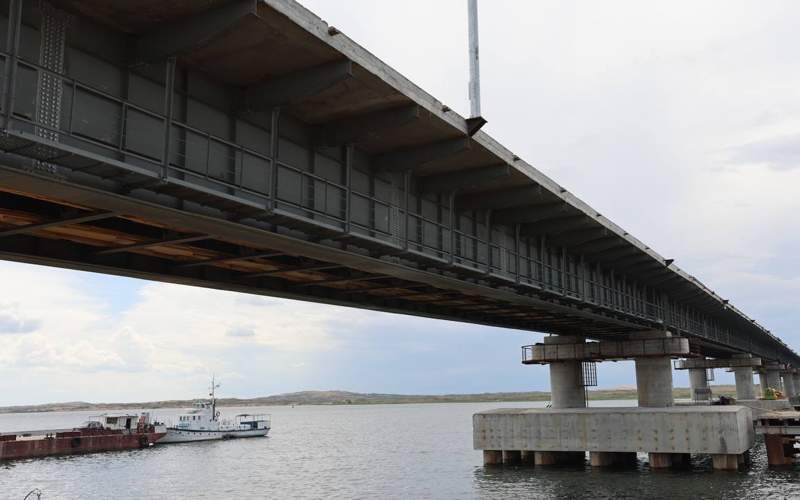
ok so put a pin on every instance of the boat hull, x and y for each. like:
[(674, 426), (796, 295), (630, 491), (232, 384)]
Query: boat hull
[(73, 443), (189, 436)]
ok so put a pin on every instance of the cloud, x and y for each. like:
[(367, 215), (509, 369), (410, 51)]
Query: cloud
[(13, 322), (779, 153), (241, 332)]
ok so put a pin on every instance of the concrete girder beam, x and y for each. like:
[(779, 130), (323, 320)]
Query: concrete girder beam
[(530, 214), (417, 156), (600, 244), (294, 87), (504, 198), (575, 238), (615, 253), (469, 180), (633, 260), (557, 225), (190, 33), (360, 128)]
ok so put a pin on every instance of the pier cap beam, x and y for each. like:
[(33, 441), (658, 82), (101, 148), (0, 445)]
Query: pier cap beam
[(706, 363), (551, 352)]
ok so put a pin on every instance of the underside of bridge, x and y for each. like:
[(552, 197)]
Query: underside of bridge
[(246, 145)]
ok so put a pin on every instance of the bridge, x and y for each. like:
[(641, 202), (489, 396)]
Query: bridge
[(247, 145)]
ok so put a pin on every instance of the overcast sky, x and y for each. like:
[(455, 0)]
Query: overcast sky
[(680, 121)]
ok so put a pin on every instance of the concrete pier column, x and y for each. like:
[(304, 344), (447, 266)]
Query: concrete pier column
[(727, 461), (698, 382), (770, 378), (796, 379), (789, 390), (654, 382), (492, 457), (745, 389), (660, 460), (653, 373), (566, 379)]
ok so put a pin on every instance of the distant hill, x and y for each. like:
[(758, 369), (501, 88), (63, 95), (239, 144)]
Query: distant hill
[(348, 398)]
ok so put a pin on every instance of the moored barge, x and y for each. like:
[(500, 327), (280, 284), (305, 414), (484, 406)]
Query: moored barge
[(102, 433)]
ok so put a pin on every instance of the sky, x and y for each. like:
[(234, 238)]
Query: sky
[(679, 121)]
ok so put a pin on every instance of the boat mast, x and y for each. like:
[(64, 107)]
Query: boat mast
[(214, 385)]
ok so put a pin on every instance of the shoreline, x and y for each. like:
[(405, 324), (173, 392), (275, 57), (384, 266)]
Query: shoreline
[(329, 398)]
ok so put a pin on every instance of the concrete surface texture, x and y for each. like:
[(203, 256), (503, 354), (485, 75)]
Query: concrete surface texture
[(700, 429)]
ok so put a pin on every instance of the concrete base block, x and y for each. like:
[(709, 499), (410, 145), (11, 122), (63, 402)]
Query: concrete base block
[(761, 406), (559, 458), (512, 457), (690, 429), (612, 459), (727, 461)]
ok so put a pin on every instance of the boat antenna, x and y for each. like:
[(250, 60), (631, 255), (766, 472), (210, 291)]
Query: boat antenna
[(211, 394)]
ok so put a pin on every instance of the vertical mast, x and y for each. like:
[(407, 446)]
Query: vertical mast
[(474, 61), (213, 399)]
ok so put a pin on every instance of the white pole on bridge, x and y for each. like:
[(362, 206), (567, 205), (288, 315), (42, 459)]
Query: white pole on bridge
[(474, 61)]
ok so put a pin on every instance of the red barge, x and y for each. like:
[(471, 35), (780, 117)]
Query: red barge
[(103, 433)]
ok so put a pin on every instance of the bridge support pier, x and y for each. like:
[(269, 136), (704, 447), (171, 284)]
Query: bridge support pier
[(654, 382), (654, 376), (698, 382), (728, 461), (492, 457), (745, 389), (566, 379), (770, 378)]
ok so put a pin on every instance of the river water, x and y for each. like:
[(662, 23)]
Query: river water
[(381, 451)]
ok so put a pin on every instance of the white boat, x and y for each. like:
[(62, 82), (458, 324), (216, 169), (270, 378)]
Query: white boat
[(202, 423)]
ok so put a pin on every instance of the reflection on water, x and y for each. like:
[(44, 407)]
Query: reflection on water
[(380, 451)]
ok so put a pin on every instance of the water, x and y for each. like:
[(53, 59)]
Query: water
[(382, 451)]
